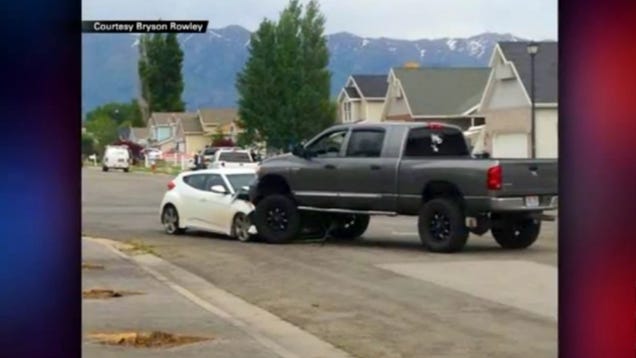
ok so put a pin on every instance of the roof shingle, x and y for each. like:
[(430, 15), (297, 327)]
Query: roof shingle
[(546, 88), (373, 86), (442, 91), (218, 116)]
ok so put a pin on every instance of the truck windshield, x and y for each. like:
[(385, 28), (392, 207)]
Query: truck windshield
[(235, 157), (426, 142)]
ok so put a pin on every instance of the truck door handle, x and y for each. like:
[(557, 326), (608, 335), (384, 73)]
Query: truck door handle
[(330, 166), (375, 167)]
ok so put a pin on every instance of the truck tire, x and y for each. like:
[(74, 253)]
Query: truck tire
[(104, 168), (441, 225), (516, 233), (350, 227), (277, 219)]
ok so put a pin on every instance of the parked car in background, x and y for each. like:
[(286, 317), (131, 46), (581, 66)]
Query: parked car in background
[(232, 158), (116, 157), (153, 154), (213, 200), (349, 172)]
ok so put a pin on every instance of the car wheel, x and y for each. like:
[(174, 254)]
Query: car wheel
[(241, 227), (350, 226), (126, 170), (104, 168), (277, 219), (441, 226), (516, 233), (170, 221)]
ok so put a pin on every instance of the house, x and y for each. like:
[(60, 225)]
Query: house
[(449, 95), (137, 135), (362, 98), (507, 106), (223, 119), (162, 128)]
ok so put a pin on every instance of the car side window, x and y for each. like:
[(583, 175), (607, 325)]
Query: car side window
[(329, 145), (214, 179), (424, 142), (196, 181), (365, 143)]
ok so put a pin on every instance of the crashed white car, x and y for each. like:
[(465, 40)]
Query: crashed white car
[(211, 200)]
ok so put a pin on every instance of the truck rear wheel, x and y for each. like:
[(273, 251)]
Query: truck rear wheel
[(516, 233), (277, 219), (350, 226), (441, 226)]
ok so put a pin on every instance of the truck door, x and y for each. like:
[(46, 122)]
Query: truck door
[(366, 176)]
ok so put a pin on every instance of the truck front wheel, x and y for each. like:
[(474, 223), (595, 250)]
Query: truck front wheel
[(277, 219), (441, 225), (350, 226), (516, 232)]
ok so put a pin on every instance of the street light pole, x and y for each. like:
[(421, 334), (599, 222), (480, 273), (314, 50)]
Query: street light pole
[(533, 48)]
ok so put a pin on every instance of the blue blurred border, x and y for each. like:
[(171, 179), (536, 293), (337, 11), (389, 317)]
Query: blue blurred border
[(40, 193)]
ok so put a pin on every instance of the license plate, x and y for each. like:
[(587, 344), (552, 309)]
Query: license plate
[(532, 201)]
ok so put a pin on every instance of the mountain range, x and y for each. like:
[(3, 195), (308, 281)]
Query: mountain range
[(212, 59)]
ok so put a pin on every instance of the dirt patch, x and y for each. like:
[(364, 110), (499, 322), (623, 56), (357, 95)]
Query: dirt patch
[(134, 247), (90, 266), (155, 339), (98, 293)]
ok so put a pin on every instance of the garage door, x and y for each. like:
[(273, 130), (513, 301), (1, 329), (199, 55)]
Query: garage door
[(547, 134), (510, 145)]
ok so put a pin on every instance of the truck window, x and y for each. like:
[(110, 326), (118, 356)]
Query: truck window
[(328, 145), (235, 157), (365, 143), (425, 142)]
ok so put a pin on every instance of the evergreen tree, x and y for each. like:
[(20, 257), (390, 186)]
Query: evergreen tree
[(160, 65), (284, 86), (122, 113)]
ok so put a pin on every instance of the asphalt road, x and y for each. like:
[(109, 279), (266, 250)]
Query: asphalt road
[(380, 296)]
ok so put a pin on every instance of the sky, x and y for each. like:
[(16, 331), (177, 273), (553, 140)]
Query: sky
[(401, 19)]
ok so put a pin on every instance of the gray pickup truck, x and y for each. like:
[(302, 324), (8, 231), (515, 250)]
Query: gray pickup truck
[(349, 172)]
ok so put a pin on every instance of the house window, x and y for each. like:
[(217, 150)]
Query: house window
[(162, 133), (347, 112)]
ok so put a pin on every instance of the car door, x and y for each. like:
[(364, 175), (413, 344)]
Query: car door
[(193, 193), (367, 175), (315, 180), (215, 209)]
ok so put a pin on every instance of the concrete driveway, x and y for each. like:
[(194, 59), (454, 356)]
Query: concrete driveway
[(380, 296)]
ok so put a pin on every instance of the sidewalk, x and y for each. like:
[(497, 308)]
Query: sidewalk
[(157, 308), (160, 297)]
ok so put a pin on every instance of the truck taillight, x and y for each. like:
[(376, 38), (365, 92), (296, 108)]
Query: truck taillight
[(171, 185), (494, 178)]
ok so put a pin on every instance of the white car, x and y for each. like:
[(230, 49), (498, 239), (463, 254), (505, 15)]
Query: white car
[(209, 200), (232, 158)]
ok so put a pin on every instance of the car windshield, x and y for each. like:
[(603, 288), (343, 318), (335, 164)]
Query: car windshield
[(237, 181), (235, 157), (209, 151)]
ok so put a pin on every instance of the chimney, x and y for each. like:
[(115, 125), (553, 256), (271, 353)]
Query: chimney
[(412, 64)]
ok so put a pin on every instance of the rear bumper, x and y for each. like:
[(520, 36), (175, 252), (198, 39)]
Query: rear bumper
[(519, 204)]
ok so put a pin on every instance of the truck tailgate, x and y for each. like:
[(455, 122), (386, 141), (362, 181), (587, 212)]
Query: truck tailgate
[(528, 177)]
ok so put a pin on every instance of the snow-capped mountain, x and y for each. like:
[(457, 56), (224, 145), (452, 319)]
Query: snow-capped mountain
[(109, 61)]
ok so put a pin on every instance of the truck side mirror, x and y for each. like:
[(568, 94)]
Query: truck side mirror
[(300, 151)]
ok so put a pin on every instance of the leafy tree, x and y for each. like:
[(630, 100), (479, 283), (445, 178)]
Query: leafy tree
[(88, 144), (104, 129), (285, 85), (122, 113), (160, 72)]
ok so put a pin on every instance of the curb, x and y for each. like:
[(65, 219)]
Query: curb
[(277, 335)]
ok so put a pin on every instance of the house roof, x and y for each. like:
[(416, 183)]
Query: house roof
[(140, 132), (371, 85), (352, 92), (218, 116), (191, 123), (162, 118), (442, 91), (546, 88)]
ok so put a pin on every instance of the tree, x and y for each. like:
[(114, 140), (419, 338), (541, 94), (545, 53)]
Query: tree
[(88, 144), (104, 129), (285, 85), (122, 113), (160, 72)]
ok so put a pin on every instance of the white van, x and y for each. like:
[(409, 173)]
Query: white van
[(116, 157)]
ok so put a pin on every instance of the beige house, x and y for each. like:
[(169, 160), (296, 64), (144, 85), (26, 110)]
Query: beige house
[(362, 98), (506, 103), (448, 95), (162, 128), (224, 118)]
